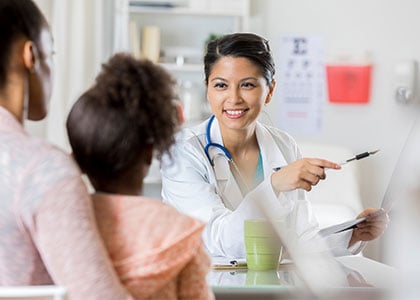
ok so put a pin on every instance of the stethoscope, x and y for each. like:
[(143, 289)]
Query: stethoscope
[(225, 151)]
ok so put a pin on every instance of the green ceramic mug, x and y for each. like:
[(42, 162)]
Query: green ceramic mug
[(258, 278), (262, 245)]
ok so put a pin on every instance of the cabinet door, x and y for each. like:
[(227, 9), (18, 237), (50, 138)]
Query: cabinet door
[(183, 34)]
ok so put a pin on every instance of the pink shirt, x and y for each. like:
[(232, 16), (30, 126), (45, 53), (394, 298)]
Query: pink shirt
[(157, 251), (48, 232)]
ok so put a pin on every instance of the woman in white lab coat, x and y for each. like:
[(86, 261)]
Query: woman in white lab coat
[(231, 167)]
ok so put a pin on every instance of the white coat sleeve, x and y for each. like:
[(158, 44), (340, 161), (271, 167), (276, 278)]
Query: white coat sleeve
[(188, 185)]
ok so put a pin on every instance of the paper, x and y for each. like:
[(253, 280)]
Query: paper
[(351, 224), (340, 227), (301, 84)]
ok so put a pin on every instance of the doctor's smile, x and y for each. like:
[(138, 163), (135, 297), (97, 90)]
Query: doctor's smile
[(235, 114)]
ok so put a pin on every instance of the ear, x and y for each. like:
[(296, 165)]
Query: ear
[(180, 112), (271, 91), (148, 154), (30, 56)]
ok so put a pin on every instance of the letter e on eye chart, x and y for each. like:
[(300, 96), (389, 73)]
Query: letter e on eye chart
[(301, 85)]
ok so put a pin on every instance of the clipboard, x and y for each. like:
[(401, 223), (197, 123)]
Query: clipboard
[(385, 208), (340, 227), (232, 265), (235, 265)]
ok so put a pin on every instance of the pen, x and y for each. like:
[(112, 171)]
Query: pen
[(359, 156), (237, 264)]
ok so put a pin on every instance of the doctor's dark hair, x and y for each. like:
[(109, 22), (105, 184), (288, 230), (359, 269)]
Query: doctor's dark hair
[(18, 19), (131, 106), (247, 45)]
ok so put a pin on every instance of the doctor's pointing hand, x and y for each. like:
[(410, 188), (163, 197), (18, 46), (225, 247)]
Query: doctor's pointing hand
[(301, 174), (221, 170)]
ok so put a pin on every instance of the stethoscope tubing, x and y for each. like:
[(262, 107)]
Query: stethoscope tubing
[(211, 144)]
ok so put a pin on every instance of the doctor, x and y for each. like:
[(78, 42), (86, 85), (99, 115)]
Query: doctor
[(222, 170)]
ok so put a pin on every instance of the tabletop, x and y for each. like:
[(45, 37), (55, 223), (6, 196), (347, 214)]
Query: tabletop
[(366, 279)]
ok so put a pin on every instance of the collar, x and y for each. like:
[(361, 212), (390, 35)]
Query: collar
[(9, 122), (270, 151)]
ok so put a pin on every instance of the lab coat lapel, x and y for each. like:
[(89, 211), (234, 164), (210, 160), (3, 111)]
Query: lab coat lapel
[(229, 189), (270, 151)]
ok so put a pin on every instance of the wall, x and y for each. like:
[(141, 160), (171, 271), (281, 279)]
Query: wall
[(386, 29), (84, 37), (39, 128)]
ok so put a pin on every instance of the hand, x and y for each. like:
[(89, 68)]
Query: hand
[(356, 279), (375, 224), (301, 174)]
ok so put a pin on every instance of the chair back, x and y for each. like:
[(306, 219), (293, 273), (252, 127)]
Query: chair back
[(38, 292), (338, 198)]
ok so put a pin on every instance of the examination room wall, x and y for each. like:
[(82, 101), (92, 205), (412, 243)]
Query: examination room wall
[(388, 30), (384, 28)]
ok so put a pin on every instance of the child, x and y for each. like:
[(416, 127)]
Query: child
[(114, 128)]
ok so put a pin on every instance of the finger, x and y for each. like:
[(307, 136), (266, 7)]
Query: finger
[(379, 218), (371, 232), (324, 163), (305, 185), (366, 212), (380, 213), (373, 228), (372, 222), (317, 171), (310, 178), (382, 218), (376, 213)]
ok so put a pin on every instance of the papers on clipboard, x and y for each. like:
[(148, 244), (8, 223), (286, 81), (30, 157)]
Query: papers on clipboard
[(385, 208), (221, 263), (340, 227), (224, 263)]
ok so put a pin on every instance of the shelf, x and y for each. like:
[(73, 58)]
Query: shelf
[(183, 68), (184, 27), (182, 11)]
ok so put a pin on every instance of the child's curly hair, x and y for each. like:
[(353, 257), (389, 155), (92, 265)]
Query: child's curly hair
[(131, 105)]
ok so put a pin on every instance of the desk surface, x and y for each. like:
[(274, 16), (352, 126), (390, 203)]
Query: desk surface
[(367, 278)]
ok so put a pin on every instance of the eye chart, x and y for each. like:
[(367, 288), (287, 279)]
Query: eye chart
[(301, 86)]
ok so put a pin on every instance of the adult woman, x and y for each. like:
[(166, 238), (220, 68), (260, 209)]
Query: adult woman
[(48, 234), (113, 129), (224, 185)]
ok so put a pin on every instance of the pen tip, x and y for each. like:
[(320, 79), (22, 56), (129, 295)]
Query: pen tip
[(373, 152)]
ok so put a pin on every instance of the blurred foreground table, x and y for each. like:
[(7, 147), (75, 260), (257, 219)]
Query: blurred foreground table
[(366, 279)]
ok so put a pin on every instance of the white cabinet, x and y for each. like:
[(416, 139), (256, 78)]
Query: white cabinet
[(184, 27)]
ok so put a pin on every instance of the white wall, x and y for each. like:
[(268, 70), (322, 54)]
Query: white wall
[(388, 30), (84, 37), (39, 128), (385, 28)]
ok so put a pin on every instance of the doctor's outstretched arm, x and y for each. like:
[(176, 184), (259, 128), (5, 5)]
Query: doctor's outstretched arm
[(189, 184)]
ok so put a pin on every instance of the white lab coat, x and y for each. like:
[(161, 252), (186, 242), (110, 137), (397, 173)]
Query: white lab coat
[(190, 184)]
